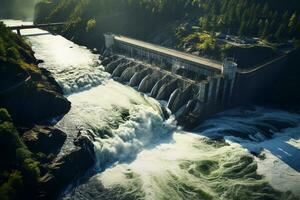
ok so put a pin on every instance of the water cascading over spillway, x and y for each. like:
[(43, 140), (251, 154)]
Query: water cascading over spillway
[(141, 155), (153, 81)]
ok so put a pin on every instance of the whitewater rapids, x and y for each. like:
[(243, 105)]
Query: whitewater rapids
[(141, 155)]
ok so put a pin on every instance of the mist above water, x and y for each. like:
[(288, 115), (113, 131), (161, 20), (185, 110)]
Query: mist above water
[(17, 9)]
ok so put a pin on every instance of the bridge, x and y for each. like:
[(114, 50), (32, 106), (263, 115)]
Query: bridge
[(20, 27)]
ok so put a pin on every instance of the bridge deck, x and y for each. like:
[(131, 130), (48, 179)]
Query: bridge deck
[(170, 52), (34, 26)]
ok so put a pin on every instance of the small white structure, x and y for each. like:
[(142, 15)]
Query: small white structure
[(109, 40)]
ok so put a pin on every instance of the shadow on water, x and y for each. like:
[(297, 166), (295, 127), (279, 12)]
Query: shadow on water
[(258, 129), (286, 152)]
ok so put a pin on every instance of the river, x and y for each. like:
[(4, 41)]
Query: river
[(141, 155)]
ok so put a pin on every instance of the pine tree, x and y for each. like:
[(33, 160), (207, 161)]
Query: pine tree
[(260, 27), (265, 10), (280, 31), (266, 28), (242, 29), (292, 24)]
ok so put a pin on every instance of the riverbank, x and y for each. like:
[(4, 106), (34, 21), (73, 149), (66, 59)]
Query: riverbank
[(30, 98)]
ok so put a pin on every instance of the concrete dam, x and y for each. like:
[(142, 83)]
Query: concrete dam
[(192, 86)]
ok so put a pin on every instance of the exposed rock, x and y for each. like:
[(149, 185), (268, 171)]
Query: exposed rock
[(67, 168), (44, 139), (29, 105), (30, 94)]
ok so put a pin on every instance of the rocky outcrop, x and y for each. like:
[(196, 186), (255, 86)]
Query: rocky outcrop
[(64, 170), (29, 93), (29, 104), (45, 139)]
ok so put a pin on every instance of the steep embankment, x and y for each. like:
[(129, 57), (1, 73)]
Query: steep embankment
[(29, 93), (29, 168)]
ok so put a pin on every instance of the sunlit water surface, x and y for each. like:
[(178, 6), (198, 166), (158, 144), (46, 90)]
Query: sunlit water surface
[(140, 155)]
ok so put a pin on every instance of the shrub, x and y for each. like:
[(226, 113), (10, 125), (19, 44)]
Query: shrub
[(4, 115), (91, 24)]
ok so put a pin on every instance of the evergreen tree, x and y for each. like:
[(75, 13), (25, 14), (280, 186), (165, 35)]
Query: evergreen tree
[(280, 31), (242, 29), (292, 24), (266, 28)]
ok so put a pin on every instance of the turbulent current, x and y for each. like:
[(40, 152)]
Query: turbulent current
[(244, 153)]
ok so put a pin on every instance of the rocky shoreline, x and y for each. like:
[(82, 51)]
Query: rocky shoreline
[(33, 98)]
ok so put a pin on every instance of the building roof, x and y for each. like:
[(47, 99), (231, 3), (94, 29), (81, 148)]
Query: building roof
[(171, 52)]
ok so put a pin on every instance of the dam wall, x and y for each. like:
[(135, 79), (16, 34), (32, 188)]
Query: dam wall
[(190, 85)]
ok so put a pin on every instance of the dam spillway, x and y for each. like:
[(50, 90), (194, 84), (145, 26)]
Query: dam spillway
[(190, 85)]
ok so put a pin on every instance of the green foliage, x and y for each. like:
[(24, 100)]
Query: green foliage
[(10, 189), (2, 48), (13, 53), (4, 115), (256, 18), (19, 171), (91, 24), (11, 44)]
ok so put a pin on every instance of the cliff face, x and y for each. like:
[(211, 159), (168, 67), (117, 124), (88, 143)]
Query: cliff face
[(29, 168), (29, 93)]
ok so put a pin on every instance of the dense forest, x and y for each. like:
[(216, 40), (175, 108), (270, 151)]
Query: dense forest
[(19, 171), (269, 19), (27, 96), (190, 25)]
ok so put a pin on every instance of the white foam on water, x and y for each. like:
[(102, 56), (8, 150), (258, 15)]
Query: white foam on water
[(143, 150)]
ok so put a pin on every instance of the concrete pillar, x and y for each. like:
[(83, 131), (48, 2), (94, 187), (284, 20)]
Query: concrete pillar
[(226, 88), (231, 88), (203, 91), (212, 90), (218, 88), (19, 32)]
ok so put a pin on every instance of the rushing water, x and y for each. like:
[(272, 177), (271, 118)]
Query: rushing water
[(140, 155)]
